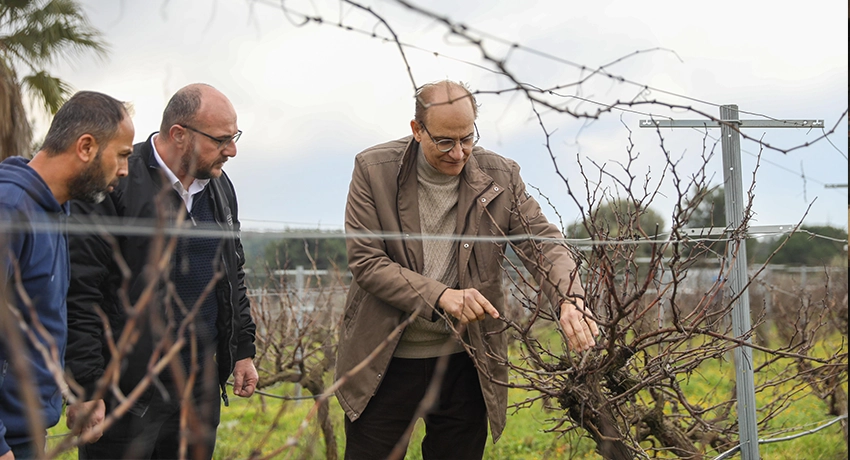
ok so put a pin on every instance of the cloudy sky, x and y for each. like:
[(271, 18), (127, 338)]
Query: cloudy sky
[(309, 97)]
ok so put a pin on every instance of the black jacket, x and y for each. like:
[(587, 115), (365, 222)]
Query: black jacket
[(96, 278)]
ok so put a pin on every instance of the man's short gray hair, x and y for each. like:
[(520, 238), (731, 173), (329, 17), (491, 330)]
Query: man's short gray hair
[(87, 112)]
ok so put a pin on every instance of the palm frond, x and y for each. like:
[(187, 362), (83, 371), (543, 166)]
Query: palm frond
[(49, 31), (51, 91), (33, 34), (11, 10)]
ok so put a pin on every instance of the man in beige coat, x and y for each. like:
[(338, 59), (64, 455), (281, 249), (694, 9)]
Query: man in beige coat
[(418, 296)]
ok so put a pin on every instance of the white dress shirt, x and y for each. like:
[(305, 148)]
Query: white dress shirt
[(197, 185)]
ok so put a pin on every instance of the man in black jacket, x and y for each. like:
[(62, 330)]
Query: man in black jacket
[(181, 322)]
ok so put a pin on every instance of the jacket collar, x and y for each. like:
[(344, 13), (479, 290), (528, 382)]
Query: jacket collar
[(221, 208), (474, 184), (147, 152), (407, 166), (475, 178), (472, 175)]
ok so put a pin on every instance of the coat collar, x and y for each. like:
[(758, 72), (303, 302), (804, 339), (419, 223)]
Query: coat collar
[(475, 184), (221, 208), (477, 190), (147, 153), (472, 175)]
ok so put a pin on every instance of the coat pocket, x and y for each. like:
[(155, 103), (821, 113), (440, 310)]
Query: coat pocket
[(488, 258), (353, 306)]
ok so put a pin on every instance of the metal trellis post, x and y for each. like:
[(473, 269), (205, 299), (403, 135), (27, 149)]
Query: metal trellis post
[(737, 254), (734, 198)]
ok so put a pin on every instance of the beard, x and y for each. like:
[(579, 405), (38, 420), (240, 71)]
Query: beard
[(193, 165), (90, 185)]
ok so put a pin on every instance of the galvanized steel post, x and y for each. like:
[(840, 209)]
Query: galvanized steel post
[(730, 126), (736, 255)]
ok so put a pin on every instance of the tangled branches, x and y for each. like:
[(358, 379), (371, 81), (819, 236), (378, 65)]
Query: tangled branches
[(664, 305)]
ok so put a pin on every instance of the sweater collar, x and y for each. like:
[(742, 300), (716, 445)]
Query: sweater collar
[(429, 174), (472, 174)]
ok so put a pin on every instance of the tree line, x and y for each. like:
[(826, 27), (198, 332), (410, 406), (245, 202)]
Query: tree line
[(800, 249)]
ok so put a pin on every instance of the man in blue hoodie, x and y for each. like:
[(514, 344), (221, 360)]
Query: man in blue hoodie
[(84, 154)]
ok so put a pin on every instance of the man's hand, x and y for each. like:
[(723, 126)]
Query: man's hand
[(245, 378), (578, 325), (74, 414), (7, 456), (467, 305)]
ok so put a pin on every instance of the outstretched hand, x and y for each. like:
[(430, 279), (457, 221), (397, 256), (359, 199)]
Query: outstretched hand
[(467, 305), (579, 326)]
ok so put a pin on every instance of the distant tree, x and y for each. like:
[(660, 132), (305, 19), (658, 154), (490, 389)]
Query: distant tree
[(294, 250), (803, 248), (33, 35), (612, 216), (254, 247), (710, 210), (618, 219)]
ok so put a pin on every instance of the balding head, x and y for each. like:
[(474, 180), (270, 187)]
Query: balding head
[(444, 125), (215, 110), (440, 93), (183, 106), (198, 132)]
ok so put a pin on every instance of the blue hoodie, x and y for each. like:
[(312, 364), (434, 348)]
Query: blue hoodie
[(32, 223)]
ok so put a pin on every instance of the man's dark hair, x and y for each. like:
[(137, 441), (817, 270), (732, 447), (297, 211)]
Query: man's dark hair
[(181, 108), (424, 95), (87, 112)]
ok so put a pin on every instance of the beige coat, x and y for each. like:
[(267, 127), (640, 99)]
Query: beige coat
[(387, 286)]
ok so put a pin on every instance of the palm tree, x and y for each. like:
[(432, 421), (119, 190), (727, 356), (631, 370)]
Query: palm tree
[(33, 35)]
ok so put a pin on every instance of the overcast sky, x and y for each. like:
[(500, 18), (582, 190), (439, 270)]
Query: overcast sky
[(311, 97)]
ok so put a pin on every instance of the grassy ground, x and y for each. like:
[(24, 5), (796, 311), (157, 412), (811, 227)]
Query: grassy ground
[(523, 439), (270, 425), (273, 426), (246, 423)]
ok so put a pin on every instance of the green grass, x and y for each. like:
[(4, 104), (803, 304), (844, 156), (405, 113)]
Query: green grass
[(247, 422), (523, 439), (271, 425)]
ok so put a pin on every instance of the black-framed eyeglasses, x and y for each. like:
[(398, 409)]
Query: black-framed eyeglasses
[(446, 145), (222, 141)]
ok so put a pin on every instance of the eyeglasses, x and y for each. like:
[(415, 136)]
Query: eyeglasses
[(222, 142), (445, 145)]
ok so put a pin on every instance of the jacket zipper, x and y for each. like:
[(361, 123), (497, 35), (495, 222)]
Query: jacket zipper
[(227, 303), (398, 217), (230, 332)]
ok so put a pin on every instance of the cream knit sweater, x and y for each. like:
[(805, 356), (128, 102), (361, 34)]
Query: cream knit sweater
[(438, 195)]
